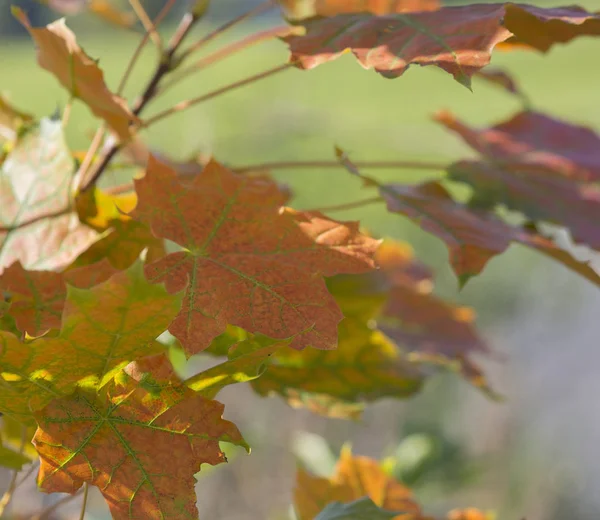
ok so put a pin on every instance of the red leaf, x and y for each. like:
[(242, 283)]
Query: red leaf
[(459, 39)]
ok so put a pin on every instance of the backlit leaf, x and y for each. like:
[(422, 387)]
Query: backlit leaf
[(59, 53), (457, 39), (10, 458), (38, 223), (104, 9), (11, 119), (298, 9), (37, 298), (534, 138), (247, 361), (361, 509), (365, 367), (102, 329), (247, 261), (140, 450), (354, 478)]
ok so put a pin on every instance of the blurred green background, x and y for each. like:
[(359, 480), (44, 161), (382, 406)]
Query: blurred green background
[(532, 456)]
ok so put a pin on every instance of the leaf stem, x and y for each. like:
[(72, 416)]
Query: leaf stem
[(226, 51), (86, 489), (179, 107), (348, 205), (260, 8), (138, 51), (164, 66), (387, 165), (7, 497), (148, 24), (47, 512)]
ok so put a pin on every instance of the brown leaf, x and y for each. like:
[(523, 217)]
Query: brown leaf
[(355, 477), (534, 138), (141, 450), (37, 298), (104, 9), (537, 192), (458, 39), (248, 262), (59, 53), (298, 9)]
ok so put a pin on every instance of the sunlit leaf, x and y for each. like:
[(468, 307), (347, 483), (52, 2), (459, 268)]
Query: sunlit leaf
[(102, 329), (38, 223), (298, 9), (458, 39), (59, 53), (247, 261), (141, 450)]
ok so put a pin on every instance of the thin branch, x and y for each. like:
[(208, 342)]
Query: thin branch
[(164, 66), (179, 107), (138, 51), (7, 497), (260, 8), (149, 26), (387, 165), (28, 473), (89, 155), (86, 489), (67, 113), (47, 512), (348, 205), (226, 51)]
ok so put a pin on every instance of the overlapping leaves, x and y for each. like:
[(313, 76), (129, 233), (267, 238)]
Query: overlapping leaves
[(247, 261), (102, 329), (459, 40), (393, 328)]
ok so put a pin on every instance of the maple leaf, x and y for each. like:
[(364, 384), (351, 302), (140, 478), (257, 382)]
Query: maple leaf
[(104, 9), (38, 224), (141, 450), (299, 9), (247, 361), (361, 509), (473, 236), (37, 298), (458, 39), (247, 261), (365, 367), (355, 477), (102, 329), (534, 138), (59, 53), (539, 166)]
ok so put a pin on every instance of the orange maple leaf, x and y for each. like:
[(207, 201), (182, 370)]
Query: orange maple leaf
[(247, 261), (140, 449), (60, 54)]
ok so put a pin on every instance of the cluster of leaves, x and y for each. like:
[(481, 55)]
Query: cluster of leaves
[(296, 303)]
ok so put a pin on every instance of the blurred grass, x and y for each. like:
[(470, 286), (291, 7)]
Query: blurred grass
[(302, 115)]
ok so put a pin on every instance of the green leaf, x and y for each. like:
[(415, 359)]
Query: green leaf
[(361, 509)]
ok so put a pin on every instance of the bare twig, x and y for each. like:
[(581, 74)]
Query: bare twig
[(138, 51), (47, 512), (149, 26), (215, 93), (265, 6), (164, 66), (387, 165), (226, 51), (348, 205), (86, 489), (7, 497)]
